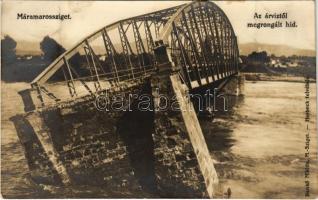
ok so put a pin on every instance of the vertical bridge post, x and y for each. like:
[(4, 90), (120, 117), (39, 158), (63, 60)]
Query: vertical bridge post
[(183, 165)]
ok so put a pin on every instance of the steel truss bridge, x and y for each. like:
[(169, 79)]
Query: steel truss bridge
[(199, 40)]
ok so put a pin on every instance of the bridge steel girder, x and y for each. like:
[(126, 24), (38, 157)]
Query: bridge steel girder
[(218, 32), (140, 48), (196, 31), (111, 52), (127, 50), (185, 58), (199, 25), (208, 64)]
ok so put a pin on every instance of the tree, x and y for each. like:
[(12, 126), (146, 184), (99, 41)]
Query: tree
[(8, 50), (51, 49), (259, 57)]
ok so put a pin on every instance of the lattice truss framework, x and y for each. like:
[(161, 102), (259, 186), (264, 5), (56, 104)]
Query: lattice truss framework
[(200, 40)]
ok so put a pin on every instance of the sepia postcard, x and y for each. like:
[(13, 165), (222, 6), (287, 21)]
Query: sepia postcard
[(158, 99)]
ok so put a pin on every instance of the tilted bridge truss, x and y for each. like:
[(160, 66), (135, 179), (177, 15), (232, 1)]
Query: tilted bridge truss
[(200, 41)]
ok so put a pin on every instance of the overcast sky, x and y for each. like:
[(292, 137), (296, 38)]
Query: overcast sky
[(90, 16)]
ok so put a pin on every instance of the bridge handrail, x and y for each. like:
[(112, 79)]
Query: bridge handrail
[(136, 70)]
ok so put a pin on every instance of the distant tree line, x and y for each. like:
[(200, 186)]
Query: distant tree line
[(51, 49), (255, 62), (19, 68), (8, 52), (260, 57)]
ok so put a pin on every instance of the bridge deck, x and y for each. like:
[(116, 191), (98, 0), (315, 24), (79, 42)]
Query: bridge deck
[(195, 83)]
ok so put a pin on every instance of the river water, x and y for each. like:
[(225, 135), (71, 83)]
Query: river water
[(258, 147)]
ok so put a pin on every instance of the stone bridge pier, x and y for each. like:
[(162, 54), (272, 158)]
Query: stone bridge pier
[(184, 167)]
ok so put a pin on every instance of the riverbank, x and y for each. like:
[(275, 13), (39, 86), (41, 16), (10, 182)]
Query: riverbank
[(271, 77)]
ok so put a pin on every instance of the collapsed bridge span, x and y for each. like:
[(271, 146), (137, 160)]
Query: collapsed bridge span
[(179, 50)]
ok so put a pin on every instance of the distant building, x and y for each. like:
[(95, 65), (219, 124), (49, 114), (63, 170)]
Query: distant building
[(284, 63), (276, 62)]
